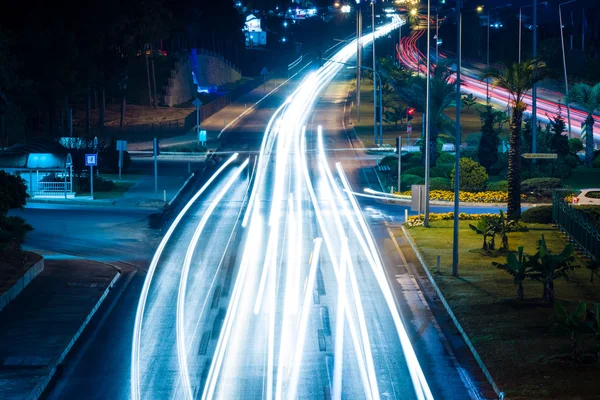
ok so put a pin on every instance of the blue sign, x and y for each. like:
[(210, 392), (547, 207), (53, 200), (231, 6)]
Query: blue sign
[(91, 160)]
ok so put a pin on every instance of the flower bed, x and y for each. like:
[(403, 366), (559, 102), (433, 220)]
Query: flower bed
[(470, 197), (417, 220)]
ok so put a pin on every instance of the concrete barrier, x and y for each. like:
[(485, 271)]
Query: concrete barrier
[(18, 287)]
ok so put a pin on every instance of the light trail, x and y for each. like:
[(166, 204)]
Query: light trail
[(180, 318), (340, 322), (137, 329)]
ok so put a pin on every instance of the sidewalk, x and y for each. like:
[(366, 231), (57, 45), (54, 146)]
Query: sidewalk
[(40, 326), (217, 122)]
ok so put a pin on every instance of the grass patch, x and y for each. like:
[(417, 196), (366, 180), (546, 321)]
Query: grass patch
[(583, 178), (515, 339), (120, 188), (470, 122)]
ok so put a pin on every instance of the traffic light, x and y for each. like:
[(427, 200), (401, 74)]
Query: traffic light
[(410, 113), (397, 145)]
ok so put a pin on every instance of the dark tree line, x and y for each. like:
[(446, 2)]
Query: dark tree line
[(54, 55)]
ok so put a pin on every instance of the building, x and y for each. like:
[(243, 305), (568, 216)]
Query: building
[(44, 165)]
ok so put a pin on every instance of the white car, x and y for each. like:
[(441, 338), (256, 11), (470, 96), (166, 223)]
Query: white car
[(416, 147), (585, 197)]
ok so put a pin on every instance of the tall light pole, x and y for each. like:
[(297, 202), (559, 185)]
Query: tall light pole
[(487, 81), (562, 42), (521, 23), (458, 140), (374, 76), (534, 89), (427, 117), (358, 55)]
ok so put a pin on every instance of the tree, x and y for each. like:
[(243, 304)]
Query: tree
[(574, 323), (517, 79), (502, 226), (13, 192), (487, 151), (485, 228), (397, 114), (442, 93), (588, 97), (472, 175), (515, 266), (468, 100), (546, 267)]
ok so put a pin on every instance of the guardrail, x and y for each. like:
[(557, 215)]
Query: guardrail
[(576, 225)]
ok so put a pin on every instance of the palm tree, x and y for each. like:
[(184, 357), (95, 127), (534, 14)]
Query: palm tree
[(587, 97), (517, 79), (442, 93)]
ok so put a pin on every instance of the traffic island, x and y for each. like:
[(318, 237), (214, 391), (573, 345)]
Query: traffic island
[(41, 325), (528, 355)]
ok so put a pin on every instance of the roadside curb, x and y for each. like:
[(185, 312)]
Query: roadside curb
[(102, 203), (459, 327), (21, 284), (38, 390), (181, 189)]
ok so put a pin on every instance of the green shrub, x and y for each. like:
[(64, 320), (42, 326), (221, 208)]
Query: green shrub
[(409, 180), (445, 158), (389, 161), (537, 185), (497, 186), (82, 184), (445, 138), (472, 176), (440, 184), (412, 158), (537, 215), (442, 171), (591, 212), (596, 162), (418, 171)]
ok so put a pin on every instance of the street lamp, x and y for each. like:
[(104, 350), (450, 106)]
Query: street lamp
[(374, 76), (562, 42), (521, 23), (487, 81), (427, 119), (358, 55)]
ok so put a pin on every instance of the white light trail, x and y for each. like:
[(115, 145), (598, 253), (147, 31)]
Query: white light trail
[(338, 360), (137, 329), (180, 318)]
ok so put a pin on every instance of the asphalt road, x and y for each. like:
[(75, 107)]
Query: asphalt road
[(297, 303)]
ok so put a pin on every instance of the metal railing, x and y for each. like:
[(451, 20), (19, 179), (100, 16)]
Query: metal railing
[(575, 225), (51, 189)]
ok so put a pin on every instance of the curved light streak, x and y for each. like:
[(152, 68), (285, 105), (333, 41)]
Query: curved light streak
[(137, 329), (180, 318)]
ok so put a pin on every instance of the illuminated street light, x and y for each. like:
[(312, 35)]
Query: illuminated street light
[(413, 12), (346, 8), (336, 4), (479, 8)]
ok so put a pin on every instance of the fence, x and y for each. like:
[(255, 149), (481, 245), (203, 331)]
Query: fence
[(54, 189), (576, 225)]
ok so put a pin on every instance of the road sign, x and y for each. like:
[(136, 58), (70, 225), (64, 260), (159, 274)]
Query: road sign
[(540, 155), (197, 103), (91, 160), (202, 136), (264, 71), (409, 128), (122, 145)]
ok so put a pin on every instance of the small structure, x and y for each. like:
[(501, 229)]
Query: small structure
[(45, 166), (255, 36)]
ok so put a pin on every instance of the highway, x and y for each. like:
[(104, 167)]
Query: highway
[(271, 282), (547, 104)]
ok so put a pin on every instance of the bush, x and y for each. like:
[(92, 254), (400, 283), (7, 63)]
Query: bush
[(591, 212), (100, 184), (472, 176), (440, 184), (412, 158), (498, 186), (13, 191), (537, 185), (441, 171), (409, 180), (12, 234), (445, 158), (596, 162), (537, 215), (418, 171)]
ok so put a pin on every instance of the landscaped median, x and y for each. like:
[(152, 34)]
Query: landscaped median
[(529, 354)]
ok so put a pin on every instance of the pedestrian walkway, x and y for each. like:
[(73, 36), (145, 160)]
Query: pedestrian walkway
[(219, 121), (40, 326)]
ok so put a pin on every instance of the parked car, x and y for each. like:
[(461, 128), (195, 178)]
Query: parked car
[(416, 147), (587, 196)]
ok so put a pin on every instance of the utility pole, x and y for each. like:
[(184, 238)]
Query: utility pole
[(374, 76), (534, 89), (154, 83), (358, 58), (148, 76), (428, 119), (458, 133), (155, 167)]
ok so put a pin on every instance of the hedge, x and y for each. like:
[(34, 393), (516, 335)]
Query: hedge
[(536, 185), (539, 215), (440, 184), (409, 180), (501, 186)]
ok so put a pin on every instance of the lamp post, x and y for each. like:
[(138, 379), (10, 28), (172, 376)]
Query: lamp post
[(562, 42), (427, 117), (534, 88), (358, 56), (487, 81), (374, 75), (458, 140), (521, 23)]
